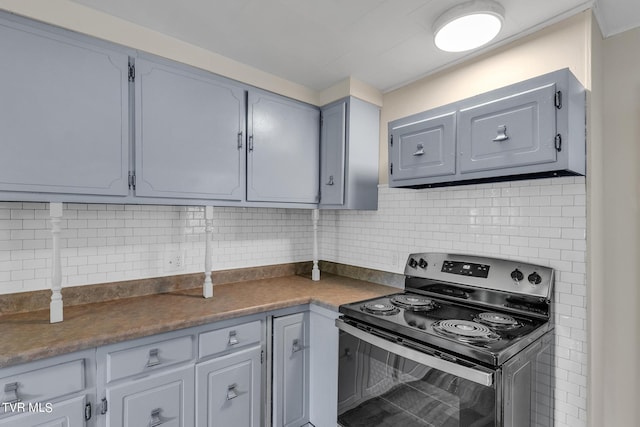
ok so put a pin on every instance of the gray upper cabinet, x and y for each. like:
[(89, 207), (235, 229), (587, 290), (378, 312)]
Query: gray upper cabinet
[(535, 128), (283, 149), (190, 133), (517, 130), (64, 115), (422, 146), (333, 141), (349, 150)]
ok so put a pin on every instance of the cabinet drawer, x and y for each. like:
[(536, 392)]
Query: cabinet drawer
[(43, 385), (147, 358), (229, 338)]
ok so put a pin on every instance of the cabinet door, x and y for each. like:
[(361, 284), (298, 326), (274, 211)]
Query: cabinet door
[(516, 130), (68, 413), (284, 149), (291, 370), (228, 390), (332, 154), (422, 148), (64, 115), (165, 399), (189, 133)]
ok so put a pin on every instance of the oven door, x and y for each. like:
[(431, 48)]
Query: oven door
[(386, 383)]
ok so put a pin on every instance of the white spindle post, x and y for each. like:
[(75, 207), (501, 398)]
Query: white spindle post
[(55, 307), (315, 272), (207, 286)]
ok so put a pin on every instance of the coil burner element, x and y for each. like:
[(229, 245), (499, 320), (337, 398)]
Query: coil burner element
[(498, 321), (465, 331), (379, 308), (414, 302)]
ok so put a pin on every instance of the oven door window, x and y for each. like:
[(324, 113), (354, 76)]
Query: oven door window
[(378, 388)]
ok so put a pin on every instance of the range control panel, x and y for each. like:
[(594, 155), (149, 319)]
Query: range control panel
[(483, 272), (468, 269)]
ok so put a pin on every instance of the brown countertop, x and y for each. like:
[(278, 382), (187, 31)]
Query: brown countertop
[(29, 336)]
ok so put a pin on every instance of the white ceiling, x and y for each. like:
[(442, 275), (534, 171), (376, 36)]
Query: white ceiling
[(317, 43)]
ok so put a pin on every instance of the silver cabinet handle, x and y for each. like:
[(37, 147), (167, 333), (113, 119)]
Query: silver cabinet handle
[(233, 338), (239, 140), (155, 418), (419, 150), (297, 346), (250, 143), (11, 390), (502, 134), (154, 360), (330, 180), (232, 393)]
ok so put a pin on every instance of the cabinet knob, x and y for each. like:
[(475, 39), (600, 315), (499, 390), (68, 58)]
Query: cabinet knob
[(154, 360), (156, 420), (419, 150), (330, 180), (502, 134), (233, 338), (11, 393)]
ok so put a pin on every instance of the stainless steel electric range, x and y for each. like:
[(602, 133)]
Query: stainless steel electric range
[(469, 343)]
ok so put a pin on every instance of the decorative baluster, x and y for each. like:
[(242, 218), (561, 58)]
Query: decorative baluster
[(55, 307), (315, 272), (207, 286)]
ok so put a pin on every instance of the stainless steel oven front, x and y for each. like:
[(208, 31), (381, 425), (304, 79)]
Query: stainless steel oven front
[(388, 381)]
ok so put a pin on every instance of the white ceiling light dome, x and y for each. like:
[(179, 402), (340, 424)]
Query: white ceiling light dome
[(468, 25)]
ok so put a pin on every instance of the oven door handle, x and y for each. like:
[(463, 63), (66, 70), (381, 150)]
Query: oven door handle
[(471, 374)]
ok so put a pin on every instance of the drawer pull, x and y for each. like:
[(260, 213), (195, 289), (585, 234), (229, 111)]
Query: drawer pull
[(233, 339), (232, 393), (11, 391), (419, 150), (155, 418), (296, 346), (502, 134), (154, 360)]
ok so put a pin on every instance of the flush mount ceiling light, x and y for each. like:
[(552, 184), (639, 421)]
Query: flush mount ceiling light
[(468, 25)]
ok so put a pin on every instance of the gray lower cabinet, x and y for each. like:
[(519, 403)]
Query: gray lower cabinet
[(290, 399), (228, 390), (64, 115), (349, 146), (535, 128), (51, 392), (147, 382), (66, 413), (283, 149), (162, 398), (190, 133)]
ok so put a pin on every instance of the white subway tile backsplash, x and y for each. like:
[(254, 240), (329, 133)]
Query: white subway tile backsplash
[(102, 243)]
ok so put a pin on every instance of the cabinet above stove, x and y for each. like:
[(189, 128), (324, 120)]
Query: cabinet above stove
[(535, 128)]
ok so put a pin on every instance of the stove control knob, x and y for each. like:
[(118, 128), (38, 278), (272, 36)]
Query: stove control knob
[(412, 263), (517, 275), (422, 263), (534, 278)]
